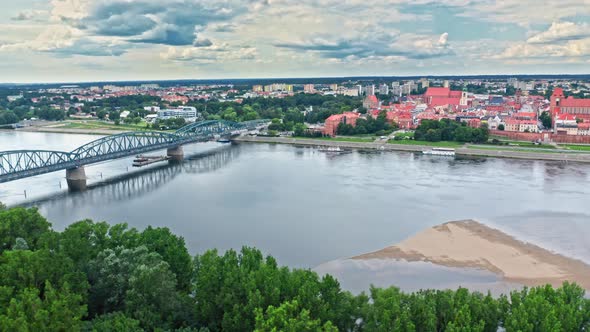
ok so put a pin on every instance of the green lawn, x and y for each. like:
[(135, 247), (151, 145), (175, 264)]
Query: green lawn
[(576, 147), (518, 144), (506, 148), (342, 139), (442, 144), (93, 124), (402, 135)]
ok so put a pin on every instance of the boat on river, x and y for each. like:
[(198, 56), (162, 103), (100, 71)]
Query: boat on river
[(447, 152)]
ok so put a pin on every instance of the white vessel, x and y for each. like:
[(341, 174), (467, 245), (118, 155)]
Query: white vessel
[(331, 149), (440, 152)]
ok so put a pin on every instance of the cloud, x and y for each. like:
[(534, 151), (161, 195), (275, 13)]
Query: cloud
[(572, 48), (228, 27), (147, 21), (29, 15), (566, 40), (443, 39), (393, 45), (65, 41), (560, 32), (202, 42), (213, 54)]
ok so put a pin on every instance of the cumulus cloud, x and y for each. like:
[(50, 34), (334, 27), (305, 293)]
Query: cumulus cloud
[(370, 46), (572, 48), (28, 15), (147, 21), (202, 42), (560, 32), (443, 39), (67, 41), (211, 54), (565, 40)]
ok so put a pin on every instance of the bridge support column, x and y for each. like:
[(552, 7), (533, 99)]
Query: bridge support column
[(176, 153), (76, 178)]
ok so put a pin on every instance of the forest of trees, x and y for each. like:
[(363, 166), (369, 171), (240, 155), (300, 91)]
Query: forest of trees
[(96, 277), (449, 130)]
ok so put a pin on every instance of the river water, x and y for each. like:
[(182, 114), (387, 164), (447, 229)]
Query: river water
[(308, 208)]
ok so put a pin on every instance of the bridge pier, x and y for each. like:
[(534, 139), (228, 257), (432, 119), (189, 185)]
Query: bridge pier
[(76, 178), (176, 153)]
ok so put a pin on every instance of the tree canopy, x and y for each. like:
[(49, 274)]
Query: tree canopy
[(449, 130), (93, 276)]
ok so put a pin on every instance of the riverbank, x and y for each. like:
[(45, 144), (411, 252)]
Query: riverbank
[(473, 151), (82, 127), (469, 244), (76, 131)]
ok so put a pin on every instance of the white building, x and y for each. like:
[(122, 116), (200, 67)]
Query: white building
[(152, 108), (369, 90), (384, 89), (14, 98), (188, 113)]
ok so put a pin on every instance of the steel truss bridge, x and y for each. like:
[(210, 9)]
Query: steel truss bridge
[(20, 164)]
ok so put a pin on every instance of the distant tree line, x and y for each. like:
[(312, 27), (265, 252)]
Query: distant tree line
[(96, 277), (450, 130)]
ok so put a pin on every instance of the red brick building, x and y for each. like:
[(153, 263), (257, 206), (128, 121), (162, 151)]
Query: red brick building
[(580, 108), (444, 96), (331, 124)]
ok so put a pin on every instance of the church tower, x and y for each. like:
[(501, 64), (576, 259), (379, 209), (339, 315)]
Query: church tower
[(463, 100)]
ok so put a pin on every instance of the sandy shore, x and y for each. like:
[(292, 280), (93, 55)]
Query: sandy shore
[(471, 244)]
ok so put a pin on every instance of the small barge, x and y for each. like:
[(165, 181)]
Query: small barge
[(141, 161)]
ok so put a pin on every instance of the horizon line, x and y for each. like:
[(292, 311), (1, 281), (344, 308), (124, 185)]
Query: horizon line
[(287, 78)]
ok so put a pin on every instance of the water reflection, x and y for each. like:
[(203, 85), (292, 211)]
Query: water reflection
[(359, 275), (135, 185)]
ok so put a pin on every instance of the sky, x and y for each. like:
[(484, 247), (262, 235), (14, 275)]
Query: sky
[(109, 40)]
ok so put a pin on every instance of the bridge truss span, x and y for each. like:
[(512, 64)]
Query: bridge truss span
[(125, 144), (25, 163)]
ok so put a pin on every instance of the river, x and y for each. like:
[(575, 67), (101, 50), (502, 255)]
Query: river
[(307, 207)]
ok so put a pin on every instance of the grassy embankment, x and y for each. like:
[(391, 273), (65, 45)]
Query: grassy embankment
[(441, 144), (576, 147), (342, 139), (95, 124)]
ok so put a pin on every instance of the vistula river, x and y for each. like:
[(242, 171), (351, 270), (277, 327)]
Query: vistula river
[(306, 207)]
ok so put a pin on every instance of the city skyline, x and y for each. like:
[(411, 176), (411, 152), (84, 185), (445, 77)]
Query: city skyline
[(117, 40)]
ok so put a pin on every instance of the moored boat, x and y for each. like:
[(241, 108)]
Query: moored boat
[(447, 152)]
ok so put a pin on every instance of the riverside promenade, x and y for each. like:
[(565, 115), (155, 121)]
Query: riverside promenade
[(473, 151)]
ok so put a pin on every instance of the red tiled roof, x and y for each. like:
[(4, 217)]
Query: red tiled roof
[(566, 117), (574, 102), (437, 92)]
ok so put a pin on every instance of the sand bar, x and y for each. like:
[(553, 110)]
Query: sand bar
[(471, 244)]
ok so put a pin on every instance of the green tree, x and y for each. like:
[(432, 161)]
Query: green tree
[(27, 224), (433, 135), (545, 118), (299, 130), (289, 317), (501, 126), (173, 250), (55, 310), (116, 321)]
